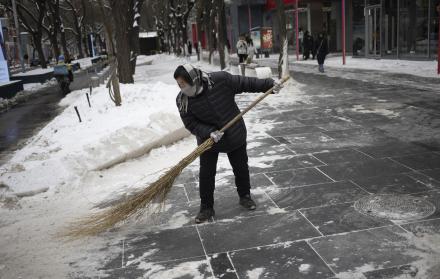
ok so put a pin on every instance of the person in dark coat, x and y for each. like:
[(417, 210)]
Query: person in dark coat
[(206, 103), (321, 50), (307, 45), (189, 48)]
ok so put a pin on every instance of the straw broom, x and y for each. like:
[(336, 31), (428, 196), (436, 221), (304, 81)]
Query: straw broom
[(155, 193)]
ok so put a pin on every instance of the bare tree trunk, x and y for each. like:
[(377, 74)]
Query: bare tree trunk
[(221, 31), (39, 47), (119, 11), (282, 29)]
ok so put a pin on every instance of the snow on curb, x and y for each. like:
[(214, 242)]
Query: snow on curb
[(66, 149), (167, 139)]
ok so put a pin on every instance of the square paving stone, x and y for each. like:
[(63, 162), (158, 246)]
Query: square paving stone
[(397, 183), (269, 150), (302, 140), (286, 130), (393, 149), (316, 195), (164, 245), (281, 162), (363, 169), (366, 250), (257, 180), (226, 185), (298, 177), (222, 266), (242, 233), (434, 173), (360, 137), (285, 260), (339, 156), (341, 218), (420, 161), (227, 205), (330, 123), (421, 177), (311, 113), (424, 228), (197, 267)]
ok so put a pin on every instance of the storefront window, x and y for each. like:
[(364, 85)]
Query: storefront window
[(389, 29), (414, 28), (303, 24), (358, 28)]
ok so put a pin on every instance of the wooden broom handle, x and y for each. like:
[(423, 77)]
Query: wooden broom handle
[(254, 103)]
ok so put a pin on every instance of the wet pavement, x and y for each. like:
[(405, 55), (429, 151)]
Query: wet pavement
[(310, 161), (350, 140), (25, 120)]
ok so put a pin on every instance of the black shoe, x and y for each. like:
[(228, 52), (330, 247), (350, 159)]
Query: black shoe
[(247, 202), (205, 214)]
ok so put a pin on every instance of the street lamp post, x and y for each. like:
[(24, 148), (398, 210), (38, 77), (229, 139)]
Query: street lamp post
[(17, 31), (343, 32)]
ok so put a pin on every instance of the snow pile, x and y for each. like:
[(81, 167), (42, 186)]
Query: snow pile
[(39, 71), (106, 131)]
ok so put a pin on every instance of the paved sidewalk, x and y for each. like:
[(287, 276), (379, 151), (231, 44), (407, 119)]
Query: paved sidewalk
[(311, 158)]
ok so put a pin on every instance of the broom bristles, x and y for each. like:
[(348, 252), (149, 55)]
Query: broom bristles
[(135, 205)]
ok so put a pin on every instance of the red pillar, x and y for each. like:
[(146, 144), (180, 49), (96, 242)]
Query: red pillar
[(343, 32), (296, 30), (438, 43)]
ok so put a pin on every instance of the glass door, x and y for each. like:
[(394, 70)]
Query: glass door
[(373, 30)]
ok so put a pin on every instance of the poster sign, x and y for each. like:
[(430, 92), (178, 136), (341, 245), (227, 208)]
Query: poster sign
[(256, 38), (4, 73), (266, 38)]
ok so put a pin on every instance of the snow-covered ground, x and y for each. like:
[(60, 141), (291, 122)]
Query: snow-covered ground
[(51, 180), (38, 71), (398, 66), (417, 68)]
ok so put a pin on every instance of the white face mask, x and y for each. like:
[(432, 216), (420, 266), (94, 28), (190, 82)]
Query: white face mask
[(189, 90)]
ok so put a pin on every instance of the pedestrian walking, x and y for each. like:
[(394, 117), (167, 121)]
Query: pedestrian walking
[(322, 50), (307, 45), (242, 49), (189, 48), (300, 39), (206, 103), (251, 50)]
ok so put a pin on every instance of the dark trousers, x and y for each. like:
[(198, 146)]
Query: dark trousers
[(208, 168), (242, 58)]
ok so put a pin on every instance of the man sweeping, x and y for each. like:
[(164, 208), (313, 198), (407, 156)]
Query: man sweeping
[(206, 103)]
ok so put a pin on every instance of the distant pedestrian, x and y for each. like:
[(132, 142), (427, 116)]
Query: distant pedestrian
[(189, 48), (321, 50), (196, 47), (242, 49), (251, 50), (307, 45), (300, 38)]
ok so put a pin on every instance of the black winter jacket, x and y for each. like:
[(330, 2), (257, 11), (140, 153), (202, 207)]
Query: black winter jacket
[(213, 108)]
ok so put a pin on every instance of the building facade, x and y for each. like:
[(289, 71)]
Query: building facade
[(406, 29)]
